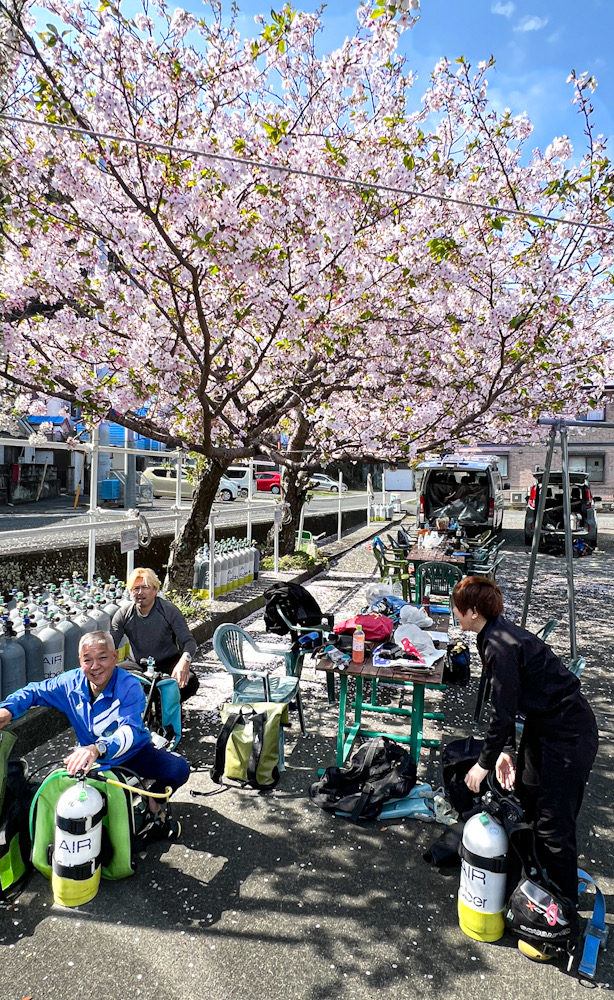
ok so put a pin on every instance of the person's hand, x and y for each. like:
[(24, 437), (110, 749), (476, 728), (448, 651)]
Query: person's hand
[(181, 673), (5, 717), (475, 777), (505, 771), (81, 759)]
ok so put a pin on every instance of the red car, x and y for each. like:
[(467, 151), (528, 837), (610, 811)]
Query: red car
[(268, 482)]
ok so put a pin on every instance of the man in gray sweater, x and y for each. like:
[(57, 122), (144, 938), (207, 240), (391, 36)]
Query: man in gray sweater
[(155, 627)]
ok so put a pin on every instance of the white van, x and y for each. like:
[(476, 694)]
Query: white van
[(239, 474), (465, 488)]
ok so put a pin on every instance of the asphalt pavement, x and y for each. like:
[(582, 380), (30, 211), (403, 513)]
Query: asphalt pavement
[(56, 522), (265, 895)]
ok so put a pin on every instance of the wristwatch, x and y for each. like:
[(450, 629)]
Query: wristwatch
[(188, 657), (101, 747)]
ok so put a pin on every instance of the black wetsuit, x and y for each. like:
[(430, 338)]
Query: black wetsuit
[(162, 633), (558, 745)]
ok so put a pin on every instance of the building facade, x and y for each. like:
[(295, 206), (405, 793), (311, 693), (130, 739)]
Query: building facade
[(591, 450)]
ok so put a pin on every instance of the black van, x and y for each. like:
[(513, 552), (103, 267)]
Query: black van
[(468, 490), (581, 504)]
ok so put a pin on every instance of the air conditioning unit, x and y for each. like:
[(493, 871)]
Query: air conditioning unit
[(518, 498)]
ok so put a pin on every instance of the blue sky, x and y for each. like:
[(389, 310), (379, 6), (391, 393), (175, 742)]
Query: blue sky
[(535, 42)]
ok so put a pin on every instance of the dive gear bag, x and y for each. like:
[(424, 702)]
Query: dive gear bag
[(380, 770), (297, 605), (250, 744), (162, 714), (457, 758), (15, 796)]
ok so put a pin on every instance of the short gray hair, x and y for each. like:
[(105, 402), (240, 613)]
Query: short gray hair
[(96, 639)]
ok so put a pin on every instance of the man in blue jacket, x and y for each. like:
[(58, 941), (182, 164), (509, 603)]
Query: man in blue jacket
[(105, 705)]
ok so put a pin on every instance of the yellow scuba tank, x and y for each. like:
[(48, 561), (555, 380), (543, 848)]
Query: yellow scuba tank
[(76, 862), (481, 895)]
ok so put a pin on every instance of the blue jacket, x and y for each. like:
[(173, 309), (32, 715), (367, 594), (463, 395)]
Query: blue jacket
[(115, 716)]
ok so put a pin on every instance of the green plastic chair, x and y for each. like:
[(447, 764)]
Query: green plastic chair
[(252, 685), (294, 664), (391, 568), (437, 579), (488, 570)]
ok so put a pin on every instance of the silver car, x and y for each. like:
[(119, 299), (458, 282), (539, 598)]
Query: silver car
[(164, 483), (319, 481)]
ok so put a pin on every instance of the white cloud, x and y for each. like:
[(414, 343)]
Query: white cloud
[(531, 23), (505, 9)]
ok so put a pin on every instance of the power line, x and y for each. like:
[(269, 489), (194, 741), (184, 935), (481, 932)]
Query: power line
[(265, 165)]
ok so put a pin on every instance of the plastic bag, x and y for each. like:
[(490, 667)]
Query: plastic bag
[(375, 591), (421, 640), (410, 615)]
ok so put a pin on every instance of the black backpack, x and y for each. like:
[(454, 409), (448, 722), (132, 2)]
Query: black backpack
[(296, 604), (457, 669), (457, 758), (379, 771), (537, 912)]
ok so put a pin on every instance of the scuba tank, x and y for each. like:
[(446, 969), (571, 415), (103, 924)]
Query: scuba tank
[(76, 863), (109, 605), (481, 894), (12, 659), (198, 560), (245, 563), (100, 616), (33, 648), (217, 580), (202, 580), (83, 619), (233, 566), (72, 634), (53, 649)]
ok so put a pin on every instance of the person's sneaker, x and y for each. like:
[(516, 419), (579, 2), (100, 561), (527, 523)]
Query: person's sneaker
[(159, 826), (164, 828)]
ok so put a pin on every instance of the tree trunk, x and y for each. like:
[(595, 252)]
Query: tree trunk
[(295, 486), (180, 569)]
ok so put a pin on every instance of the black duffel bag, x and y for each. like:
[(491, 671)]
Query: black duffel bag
[(380, 770)]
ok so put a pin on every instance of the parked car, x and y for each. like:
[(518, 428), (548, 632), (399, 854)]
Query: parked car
[(239, 474), (268, 482), (320, 481), (164, 483), (466, 489), (582, 506)]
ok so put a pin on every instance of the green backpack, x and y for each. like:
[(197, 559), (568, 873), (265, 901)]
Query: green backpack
[(250, 745), (15, 796), (118, 823)]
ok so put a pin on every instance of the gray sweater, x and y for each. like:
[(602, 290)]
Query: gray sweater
[(162, 633)]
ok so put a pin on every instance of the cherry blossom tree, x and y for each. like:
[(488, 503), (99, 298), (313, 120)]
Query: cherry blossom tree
[(235, 232)]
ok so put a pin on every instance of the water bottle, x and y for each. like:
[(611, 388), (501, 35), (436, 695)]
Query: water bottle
[(358, 645)]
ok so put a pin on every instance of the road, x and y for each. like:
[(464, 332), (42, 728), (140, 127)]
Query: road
[(53, 522)]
